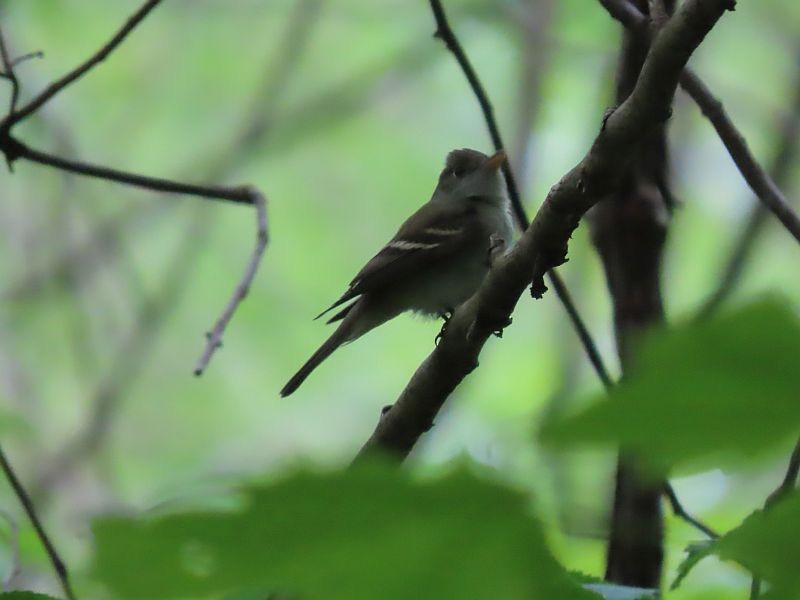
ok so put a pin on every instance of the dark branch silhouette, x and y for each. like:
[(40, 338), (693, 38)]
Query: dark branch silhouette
[(214, 337), (780, 170), (52, 554), (629, 232)]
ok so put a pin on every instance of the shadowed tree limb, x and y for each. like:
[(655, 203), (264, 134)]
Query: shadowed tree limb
[(629, 231), (544, 243)]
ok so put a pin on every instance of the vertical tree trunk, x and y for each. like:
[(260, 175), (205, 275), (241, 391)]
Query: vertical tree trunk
[(629, 231)]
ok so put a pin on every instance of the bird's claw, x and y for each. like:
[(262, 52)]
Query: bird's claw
[(497, 247), (499, 331), (446, 316)]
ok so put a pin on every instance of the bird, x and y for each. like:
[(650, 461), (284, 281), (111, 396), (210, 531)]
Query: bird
[(436, 260)]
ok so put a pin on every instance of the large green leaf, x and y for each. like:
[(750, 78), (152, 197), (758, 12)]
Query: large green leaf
[(767, 544), (723, 390), (364, 533)]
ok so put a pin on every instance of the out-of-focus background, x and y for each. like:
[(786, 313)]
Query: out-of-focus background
[(342, 113)]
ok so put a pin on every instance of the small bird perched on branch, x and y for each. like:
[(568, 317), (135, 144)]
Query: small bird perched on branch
[(435, 261)]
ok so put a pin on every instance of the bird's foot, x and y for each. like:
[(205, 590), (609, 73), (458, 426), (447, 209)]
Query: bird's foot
[(497, 247), (499, 331), (446, 316)]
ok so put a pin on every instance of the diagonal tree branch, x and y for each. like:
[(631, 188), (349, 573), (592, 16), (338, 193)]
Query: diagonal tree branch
[(629, 232), (545, 242), (680, 512), (756, 177), (785, 155), (445, 33), (214, 336), (55, 559)]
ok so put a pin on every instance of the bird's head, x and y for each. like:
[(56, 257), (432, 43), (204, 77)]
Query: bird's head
[(471, 175)]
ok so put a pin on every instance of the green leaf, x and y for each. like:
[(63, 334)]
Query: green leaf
[(767, 543), (694, 554), (363, 533), (702, 393)]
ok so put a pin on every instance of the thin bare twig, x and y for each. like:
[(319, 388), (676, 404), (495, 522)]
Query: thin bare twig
[(26, 57), (55, 559), (282, 63), (785, 155), (262, 237), (445, 33), (14, 149), (241, 194), (680, 512), (756, 177), (8, 73), (54, 88)]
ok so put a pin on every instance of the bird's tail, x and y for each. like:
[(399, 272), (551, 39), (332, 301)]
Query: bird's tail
[(338, 337)]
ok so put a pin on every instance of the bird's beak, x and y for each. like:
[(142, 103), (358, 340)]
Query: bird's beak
[(495, 161)]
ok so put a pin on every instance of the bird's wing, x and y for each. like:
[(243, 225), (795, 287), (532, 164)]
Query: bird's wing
[(427, 238)]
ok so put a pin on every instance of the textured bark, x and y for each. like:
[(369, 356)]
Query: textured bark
[(629, 231)]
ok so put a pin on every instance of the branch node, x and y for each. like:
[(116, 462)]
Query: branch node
[(538, 288)]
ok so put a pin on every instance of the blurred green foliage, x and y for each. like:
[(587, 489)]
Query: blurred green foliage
[(363, 533), (98, 355), (764, 544), (702, 395)]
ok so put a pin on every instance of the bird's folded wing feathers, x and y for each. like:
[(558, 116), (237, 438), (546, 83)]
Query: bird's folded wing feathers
[(426, 239)]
